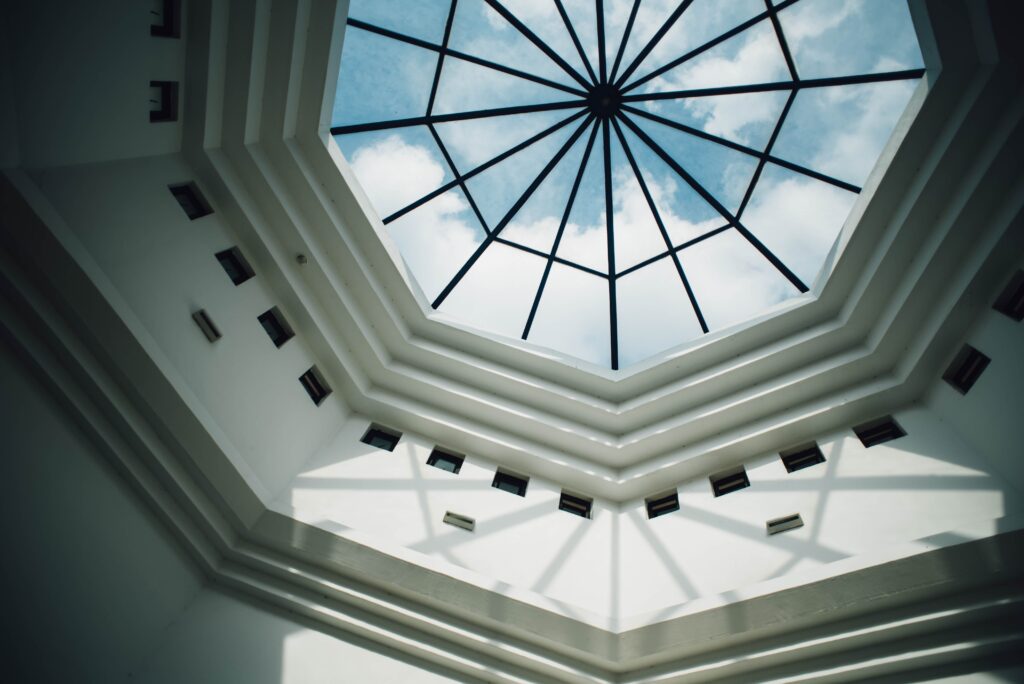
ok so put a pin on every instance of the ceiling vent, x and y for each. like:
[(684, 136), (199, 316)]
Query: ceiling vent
[(315, 385), (445, 460), (801, 457), (191, 200), (235, 265), (577, 505), (662, 504), (167, 19), (966, 368), (510, 483), (877, 431), (790, 522), (205, 324), (461, 521), (729, 481), (276, 327), (381, 437), (163, 101), (1011, 299)]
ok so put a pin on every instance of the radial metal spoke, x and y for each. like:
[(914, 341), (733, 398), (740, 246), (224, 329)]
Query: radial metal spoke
[(710, 199), (459, 179), (575, 40), (483, 167), (463, 56), (440, 57), (625, 39), (661, 226), (456, 116), (511, 213), (767, 151), (602, 59), (609, 211), (677, 248), (558, 236), (653, 42), (761, 155), (533, 38), (783, 43), (547, 255)]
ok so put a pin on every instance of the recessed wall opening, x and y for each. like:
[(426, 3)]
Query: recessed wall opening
[(461, 521), (789, 522), (235, 265), (967, 367), (729, 481), (801, 457), (315, 385), (509, 482), (1011, 300), (878, 431), (276, 327), (381, 437), (446, 460), (206, 324), (663, 503), (166, 19), (577, 505), (163, 101), (191, 200)]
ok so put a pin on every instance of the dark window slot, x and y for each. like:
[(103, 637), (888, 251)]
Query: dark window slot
[(315, 385), (790, 522), (726, 483), (662, 504), (802, 457), (509, 483), (577, 505), (167, 19), (966, 368), (191, 200), (1011, 299), (205, 324), (462, 521), (276, 327), (381, 438), (446, 461), (163, 101), (878, 431), (235, 265)]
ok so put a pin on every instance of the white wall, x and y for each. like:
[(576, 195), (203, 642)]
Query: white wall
[(163, 266)]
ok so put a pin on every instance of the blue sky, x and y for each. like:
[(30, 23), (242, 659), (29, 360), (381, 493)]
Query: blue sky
[(838, 131)]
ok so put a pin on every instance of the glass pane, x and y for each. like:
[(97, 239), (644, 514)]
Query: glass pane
[(585, 240), (637, 235), (466, 87), (747, 118), (423, 19), (544, 20), (475, 141), (573, 315), (654, 312)]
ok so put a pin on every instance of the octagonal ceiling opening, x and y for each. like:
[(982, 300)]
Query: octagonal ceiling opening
[(612, 180)]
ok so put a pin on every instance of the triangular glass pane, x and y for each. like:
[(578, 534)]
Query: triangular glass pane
[(745, 118), (720, 170), (653, 311), (436, 239), (466, 87), (536, 223), (497, 292), (500, 186), (583, 17), (480, 31), (475, 141), (573, 315), (731, 280), (585, 240), (395, 167), (685, 214), (381, 79), (865, 37), (798, 218), (424, 19), (841, 131), (544, 20), (636, 232), (702, 21), (649, 20)]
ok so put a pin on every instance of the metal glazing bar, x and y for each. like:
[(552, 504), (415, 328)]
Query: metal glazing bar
[(625, 39), (558, 236), (483, 167), (426, 45), (676, 249), (456, 116), (783, 44), (653, 42), (661, 226), (767, 152), (602, 59), (609, 210), (554, 259), (440, 57), (461, 180), (511, 212), (575, 40), (532, 37)]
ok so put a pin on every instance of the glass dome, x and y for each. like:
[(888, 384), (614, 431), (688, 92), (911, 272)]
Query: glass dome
[(613, 179)]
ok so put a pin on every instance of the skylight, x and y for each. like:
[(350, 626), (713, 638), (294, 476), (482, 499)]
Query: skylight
[(613, 179)]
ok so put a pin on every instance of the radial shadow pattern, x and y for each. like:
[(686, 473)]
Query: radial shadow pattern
[(662, 168)]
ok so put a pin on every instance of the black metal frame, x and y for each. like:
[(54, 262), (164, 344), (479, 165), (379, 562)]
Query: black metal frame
[(605, 104)]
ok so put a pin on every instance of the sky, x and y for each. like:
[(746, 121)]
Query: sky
[(837, 131)]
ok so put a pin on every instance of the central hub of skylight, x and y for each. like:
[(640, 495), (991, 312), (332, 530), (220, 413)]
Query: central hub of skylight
[(615, 185)]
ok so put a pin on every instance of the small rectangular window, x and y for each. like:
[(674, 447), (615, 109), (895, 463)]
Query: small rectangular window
[(445, 460), (966, 368), (205, 324), (163, 101), (801, 457), (381, 438), (191, 200), (235, 265), (790, 522), (510, 483), (277, 328), (166, 19), (462, 521), (878, 431), (662, 504), (1011, 299), (315, 385), (730, 481), (577, 505)]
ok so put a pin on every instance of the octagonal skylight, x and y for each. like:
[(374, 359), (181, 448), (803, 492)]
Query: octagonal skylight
[(613, 179)]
